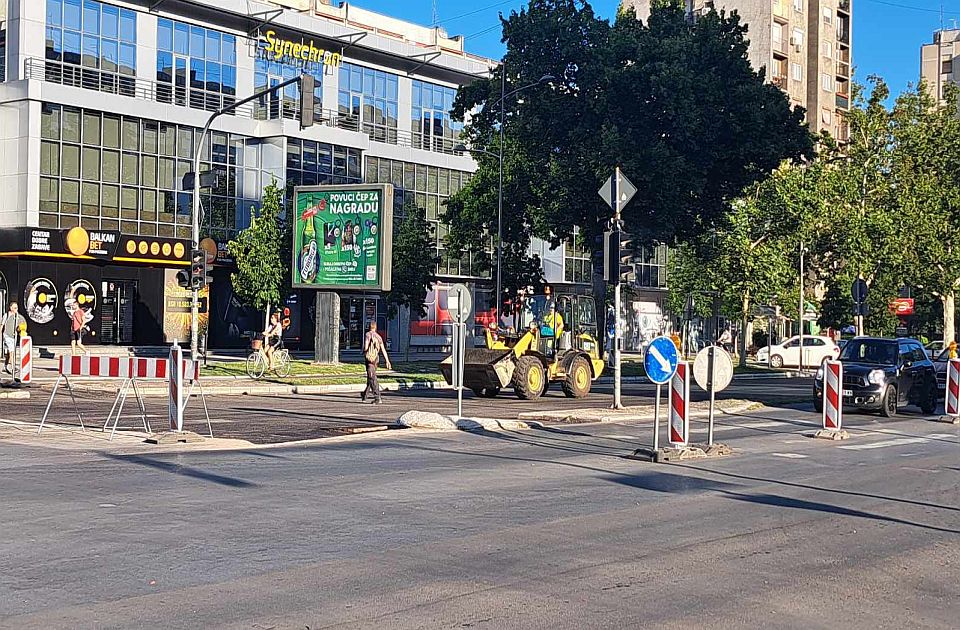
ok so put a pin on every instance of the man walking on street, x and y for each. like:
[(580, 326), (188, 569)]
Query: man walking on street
[(12, 323), (372, 347)]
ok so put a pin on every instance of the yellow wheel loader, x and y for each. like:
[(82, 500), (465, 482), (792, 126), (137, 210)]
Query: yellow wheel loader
[(555, 342)]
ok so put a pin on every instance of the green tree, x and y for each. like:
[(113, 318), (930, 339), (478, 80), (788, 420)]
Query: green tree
[(261, 278), (414, 268), (673, 102)]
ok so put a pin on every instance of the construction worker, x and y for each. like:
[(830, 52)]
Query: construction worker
[(554, 320), (952, 350)]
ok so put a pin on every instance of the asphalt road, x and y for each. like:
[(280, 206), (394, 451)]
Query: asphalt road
[(548, 528), (265, 419)]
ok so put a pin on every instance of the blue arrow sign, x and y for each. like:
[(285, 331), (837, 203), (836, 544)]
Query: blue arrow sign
[(661, 359)]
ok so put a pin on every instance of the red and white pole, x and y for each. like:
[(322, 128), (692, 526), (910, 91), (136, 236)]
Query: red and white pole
[(680, 405), (832, 395), (952, 399), (26, 360)]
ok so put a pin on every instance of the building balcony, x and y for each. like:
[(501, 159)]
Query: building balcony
[(780, 81), (843, 101), (843, 69), (844, 6), (779, 47), (781, 11), (196, 98)]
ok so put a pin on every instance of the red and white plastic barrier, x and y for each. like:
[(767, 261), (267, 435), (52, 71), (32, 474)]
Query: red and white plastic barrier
[(952, 397), (130, 370), (680, 405), (832, 395), (26, 360)]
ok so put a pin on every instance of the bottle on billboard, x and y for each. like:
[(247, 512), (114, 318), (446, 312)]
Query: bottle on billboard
[(308, 252)]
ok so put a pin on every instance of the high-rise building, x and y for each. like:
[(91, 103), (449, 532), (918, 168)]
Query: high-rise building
[(940, 61), (804, 46)]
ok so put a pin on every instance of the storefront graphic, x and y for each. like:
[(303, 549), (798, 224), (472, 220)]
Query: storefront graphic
[(300, 53), (40, 300), (343, 237), (177, 302), (79, 243), (80, 294)]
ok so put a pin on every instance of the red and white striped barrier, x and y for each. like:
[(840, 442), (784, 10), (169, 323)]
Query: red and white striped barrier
[(680, 405), (952, 400), (26, 360), (94, 366), (832, 395)]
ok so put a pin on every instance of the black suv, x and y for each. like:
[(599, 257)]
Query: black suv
[(880, 374)]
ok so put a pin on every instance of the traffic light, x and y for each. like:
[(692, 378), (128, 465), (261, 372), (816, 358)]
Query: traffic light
[(183, 278), (308, 86), (198, 268), (617, 256)]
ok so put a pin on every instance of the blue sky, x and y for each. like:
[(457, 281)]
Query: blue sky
[(887, 34)]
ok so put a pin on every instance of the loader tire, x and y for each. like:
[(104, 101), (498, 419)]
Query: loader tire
[(577, 382), (529, 378), (486, 392)]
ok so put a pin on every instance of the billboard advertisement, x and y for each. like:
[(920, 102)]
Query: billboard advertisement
[(343, 236)]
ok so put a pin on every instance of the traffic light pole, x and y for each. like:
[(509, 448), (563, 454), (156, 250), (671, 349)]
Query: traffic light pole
[(195, 300), (617, 329)]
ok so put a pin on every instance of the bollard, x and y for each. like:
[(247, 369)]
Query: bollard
[(832, 402), (26, 360), (680, 405)]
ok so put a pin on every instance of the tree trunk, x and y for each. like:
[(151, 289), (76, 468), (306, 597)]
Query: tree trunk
[(949, 317)]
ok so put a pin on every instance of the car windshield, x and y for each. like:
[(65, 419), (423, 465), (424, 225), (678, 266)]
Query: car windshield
[(944, 354), (870, 351)]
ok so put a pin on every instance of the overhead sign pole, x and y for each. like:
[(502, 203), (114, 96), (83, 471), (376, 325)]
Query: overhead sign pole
[(460, 306), (617, 330)]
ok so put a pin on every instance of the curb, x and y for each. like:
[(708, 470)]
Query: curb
[(737, 377), (644, 414), (15, 394)]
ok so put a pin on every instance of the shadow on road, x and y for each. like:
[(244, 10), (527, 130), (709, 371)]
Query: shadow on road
[(177, 469)]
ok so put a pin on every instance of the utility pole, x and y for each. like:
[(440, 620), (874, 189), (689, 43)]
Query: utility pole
[(617, 328), (802, 309)]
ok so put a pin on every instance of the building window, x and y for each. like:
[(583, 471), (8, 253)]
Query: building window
[(796, 71), (797, 39), (827, 15), (651, 266), (798, 6), (828, 50), (91, 45), (826, 116), (778, 43), (577, 264), (312, 163), (269, 72), (428, 188), (826, 82), (367, 101), (196, 66), (112, 172), (433, 127)]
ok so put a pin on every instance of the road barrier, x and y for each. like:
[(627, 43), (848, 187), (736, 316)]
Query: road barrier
[(130, 370), (951, 402), (26, 360), (832, 395), (680, 405)]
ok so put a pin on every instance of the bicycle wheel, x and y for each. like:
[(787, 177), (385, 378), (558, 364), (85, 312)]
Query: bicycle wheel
[(256, 365), (282, 364)]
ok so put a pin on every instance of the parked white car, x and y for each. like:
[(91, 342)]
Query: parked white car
[(815, 350)]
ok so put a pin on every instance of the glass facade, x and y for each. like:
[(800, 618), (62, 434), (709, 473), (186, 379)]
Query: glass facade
[(311, 163), (651, 265), (428, 187), (367, 101), (269, 72), (196, 66), (91, 45), (577, 264), (433, 127), (112, 172)]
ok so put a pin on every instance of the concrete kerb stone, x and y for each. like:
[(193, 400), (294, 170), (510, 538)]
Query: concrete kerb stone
[(438, 422), (631, 414), (14, 394), (692, 451), (831, 434), (948, 419)]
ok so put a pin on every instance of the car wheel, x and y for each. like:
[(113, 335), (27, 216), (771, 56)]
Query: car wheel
[(776, 361), (888, 403), (929, 405)]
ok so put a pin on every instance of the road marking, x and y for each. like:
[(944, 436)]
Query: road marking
[(617, 436), (896, 442), (789, 455)]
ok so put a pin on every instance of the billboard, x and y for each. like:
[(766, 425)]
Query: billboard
[(343, 237)]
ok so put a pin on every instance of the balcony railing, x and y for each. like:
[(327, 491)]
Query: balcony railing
[(843, 101), (843, 68), (779, 46), (844, 5), (273, 109), (780, 81)]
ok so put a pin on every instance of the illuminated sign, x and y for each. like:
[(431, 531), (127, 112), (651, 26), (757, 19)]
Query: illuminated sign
[(296, 53)]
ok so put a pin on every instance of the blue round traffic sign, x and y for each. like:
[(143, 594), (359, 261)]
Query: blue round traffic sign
[(660, 360)]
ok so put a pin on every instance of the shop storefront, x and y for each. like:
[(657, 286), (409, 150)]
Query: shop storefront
[(126, 285)]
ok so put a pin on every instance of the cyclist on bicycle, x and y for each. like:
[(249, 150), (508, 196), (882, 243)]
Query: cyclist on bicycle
[(272, 336)]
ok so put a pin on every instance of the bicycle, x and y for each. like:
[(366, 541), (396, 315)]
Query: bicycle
[(258, 362)]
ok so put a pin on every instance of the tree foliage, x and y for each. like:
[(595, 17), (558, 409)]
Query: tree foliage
[(261, 277), (414, 268), (674, 103)]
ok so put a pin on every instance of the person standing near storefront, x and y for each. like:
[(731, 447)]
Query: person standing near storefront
[(13, 322), (372, 347), (78, 326)]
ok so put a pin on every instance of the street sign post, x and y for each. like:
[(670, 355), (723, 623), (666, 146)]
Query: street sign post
[(713, 371), (660, 364), (617, 191), (460, 307)]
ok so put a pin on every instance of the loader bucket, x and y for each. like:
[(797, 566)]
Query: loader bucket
[(482, 368)]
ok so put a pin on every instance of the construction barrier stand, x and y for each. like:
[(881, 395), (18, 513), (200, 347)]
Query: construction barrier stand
[(832, 395), (680, 405)]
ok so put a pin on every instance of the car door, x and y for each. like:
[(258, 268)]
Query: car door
[(791, 351), (814, 351), (926, 372), (907, 369)]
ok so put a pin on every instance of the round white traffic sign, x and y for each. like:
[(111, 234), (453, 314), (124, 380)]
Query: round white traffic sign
[(722, 369), (459, 302)]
